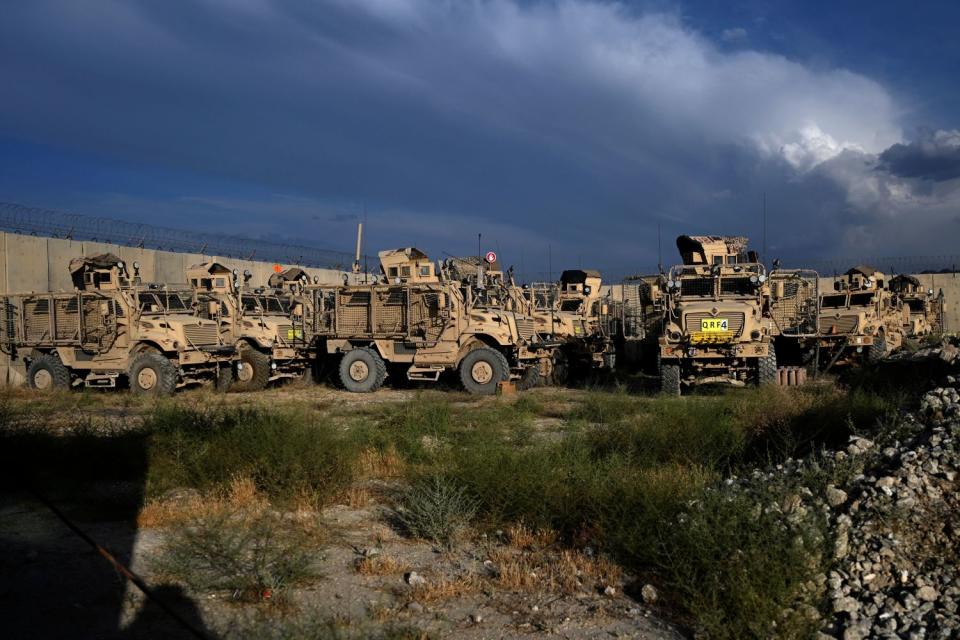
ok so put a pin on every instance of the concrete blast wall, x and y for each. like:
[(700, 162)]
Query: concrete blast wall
[(36, 263)]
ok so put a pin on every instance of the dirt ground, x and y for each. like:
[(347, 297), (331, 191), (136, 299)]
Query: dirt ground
[(494, 584)]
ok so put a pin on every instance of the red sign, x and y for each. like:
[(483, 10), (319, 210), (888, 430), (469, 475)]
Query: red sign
[(277, 268), (491, 257)]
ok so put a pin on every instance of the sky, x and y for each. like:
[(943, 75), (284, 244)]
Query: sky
[(566, 132)]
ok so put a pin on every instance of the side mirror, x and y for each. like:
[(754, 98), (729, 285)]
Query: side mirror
[(298, 309), (213, 308)]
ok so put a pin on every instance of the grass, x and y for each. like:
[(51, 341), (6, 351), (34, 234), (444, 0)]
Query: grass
[(637, 479)]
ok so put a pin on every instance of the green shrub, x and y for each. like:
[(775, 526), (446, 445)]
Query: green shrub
[(254, 554), (285, 454), (436, 509)]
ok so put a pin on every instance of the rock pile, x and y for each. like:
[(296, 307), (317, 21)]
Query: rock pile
[(890, 513)]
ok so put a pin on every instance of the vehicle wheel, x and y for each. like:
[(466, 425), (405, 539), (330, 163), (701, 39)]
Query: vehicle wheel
[(530, 378), (152, 374), (767, 368), (482, 369), (224, 380), (561, 369), (251, 371), (362, 370), (669, 379), (47, 373), (877, 351)]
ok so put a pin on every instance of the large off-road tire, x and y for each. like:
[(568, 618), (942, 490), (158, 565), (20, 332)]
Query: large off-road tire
[(362, 370), (47, 373), (560, 374), (224, 381), (767, 369), (877, 351), (152, 374), (669, 378), (251, 371), (530, 378), (482, 369)]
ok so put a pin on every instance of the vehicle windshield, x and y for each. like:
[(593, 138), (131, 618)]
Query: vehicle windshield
[(265, 304), (916, 306), (835, 301), (162, 301), (861, 299)]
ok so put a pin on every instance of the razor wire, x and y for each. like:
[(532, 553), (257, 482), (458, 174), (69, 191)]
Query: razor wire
[(22, 219)]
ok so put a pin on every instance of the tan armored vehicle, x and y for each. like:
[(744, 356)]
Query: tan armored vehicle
[(925, 310), (421, 324), (266, 326), (575, 313), (860, 319), (716, 328), (642, 318), (113, 329)]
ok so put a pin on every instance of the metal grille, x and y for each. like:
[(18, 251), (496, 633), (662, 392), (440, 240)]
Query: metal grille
[(391, 311), (36, 319), (841, 325), (692, 321), (696, 287), (425, 321), (353, 312), (526, 328), (793, 305), (202, 335)]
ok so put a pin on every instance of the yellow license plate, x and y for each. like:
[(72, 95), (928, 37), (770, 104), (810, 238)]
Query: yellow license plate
[(714, 325), (294, 334)]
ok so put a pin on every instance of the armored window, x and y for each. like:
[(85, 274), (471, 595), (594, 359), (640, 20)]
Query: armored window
[(425, 271), (274, 305), (206, 283), (405, 272), (221, 282), (570, 305), (717, 259), (250, 304), (393, 272), (861, 299), (696, 287), (736, 286), (833, 302), (175, 303), (916, 306)]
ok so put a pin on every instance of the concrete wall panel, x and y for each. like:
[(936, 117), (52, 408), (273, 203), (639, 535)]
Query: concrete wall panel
[(27, 263), (59, 254)]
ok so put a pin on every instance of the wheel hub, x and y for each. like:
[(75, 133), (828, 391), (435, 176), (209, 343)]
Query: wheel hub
[(147, 378), (481, 372), (42, 379), (359, 371), (244, 372)]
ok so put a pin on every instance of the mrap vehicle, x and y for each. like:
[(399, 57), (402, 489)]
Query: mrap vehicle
[(113, 330)]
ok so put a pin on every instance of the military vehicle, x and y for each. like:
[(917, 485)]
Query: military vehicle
[(574, 312), (716, 325), (267, 327), (925, 310), (859, 320), (642, 311), (113, 329), (422, 323)]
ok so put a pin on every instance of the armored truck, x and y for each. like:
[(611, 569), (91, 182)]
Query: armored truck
[(423, 324), (859, 320), (575, 313), (924, 309), (267, 326), (113, 330), (716, 328)]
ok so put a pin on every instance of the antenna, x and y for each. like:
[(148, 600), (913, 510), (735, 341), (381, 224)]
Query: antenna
[(549, 263), (659, 250), (763, 254), (356, 260)]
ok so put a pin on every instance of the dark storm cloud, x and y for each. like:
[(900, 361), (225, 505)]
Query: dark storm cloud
[(574, 123), (934, 157)]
